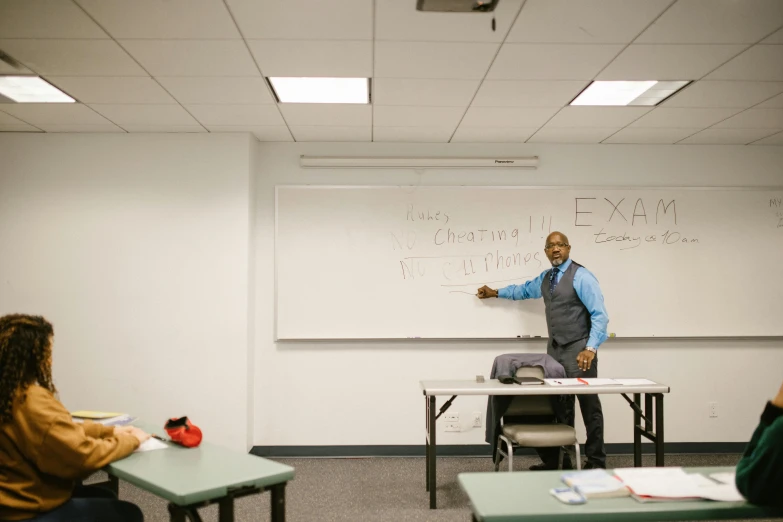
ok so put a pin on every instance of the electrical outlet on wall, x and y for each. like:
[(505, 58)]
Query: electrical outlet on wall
[(453, 427), (452, 418), (713, 409), (476, 419)]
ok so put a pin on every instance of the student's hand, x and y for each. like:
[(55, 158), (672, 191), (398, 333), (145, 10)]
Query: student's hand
[(141, 435), (486, 292), (778, 401), (123, 429), (585, 359)]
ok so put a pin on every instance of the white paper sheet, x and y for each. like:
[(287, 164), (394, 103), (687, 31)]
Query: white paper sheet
[(151, 444)]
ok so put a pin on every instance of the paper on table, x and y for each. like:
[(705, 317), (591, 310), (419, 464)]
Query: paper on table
[(580, 382), (727, 477), (564, 382), (634, 382), (721, 492), (675, 483), (151, 444)]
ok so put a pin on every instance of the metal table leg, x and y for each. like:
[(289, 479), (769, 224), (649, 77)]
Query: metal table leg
[(431, 453), (659, 429), (278, 502), (637, 431)]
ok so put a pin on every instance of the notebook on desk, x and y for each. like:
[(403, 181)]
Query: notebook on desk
[(524, 381), (102, 417)]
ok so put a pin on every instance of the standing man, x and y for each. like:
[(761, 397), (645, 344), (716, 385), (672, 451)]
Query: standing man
[(576, 322)]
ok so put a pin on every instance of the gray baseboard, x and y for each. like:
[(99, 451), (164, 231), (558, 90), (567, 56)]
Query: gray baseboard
[(479, 450)]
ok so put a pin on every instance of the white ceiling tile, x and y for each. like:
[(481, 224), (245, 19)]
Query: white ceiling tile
[(399, 116), (760, 62), (124, 89), (755, 119), (433, 60), (551, 61), (585, 21), (396, 20), (202, 19), (775, 38), (595, 117), (17, 127), (715, 21), (55, 114), (772, 103), (445, 93), (413, 134), (216, 90), (727, 136), (329, 133), (262, 132), (540, 93), (668, 62), (73, 57), (304, 19), (108, 127), (683, 118), (724, 94), (252, 115), (492, 134), (775, 139), (46, 19), (193, 57), (333, 115), (651, 135), (351, 59), (173, 129), (572, 135), (130, 114), (526, 117)]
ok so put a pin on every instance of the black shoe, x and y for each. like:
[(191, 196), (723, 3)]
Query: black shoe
[(593, 465), (542, 467)]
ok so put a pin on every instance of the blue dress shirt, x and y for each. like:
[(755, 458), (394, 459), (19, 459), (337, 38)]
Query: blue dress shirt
[(587, 289)]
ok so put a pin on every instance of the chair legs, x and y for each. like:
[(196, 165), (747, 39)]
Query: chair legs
[(578, 457), (509, 452)]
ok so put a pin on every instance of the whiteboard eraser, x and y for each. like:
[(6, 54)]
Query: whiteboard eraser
[(479, 378)]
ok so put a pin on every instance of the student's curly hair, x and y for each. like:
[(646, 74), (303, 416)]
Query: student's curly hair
[(25, 357)]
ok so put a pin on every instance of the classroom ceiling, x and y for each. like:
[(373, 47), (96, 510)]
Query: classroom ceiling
[(199, 66)]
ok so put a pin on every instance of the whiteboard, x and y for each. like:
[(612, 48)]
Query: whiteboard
[(405, 262)]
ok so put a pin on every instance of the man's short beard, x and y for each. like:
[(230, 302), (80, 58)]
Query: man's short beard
[(557, 262)]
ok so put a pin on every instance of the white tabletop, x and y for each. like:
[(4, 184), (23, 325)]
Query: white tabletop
[(494, 387)]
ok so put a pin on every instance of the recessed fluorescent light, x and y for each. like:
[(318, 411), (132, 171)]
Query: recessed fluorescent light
[(321, 90), (32, 89), (643, 93)]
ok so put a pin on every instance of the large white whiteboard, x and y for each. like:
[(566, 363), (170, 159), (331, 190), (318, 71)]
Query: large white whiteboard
[(405, 262)]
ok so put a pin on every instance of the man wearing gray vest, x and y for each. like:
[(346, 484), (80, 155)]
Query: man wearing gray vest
[(576, 321)]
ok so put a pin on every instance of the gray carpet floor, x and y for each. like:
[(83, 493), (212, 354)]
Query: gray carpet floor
[(377, 489)]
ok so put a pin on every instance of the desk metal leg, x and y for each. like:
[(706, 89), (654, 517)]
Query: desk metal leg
[(278, 502), (176, 514), (226, 509), (659, 429), (427, 442), (637, 431), (114, 484), (431, 453)]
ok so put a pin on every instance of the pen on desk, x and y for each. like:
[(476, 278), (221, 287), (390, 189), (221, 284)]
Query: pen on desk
[(582, 380), (159, 438)]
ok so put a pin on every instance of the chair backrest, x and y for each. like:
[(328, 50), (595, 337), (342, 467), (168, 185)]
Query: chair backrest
[(523, 405)]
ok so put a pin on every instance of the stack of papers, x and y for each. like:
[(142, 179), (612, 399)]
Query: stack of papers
[(672, 484), (595, 483), (151, 444), (102, 417)]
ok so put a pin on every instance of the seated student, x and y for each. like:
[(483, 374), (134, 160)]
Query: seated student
[(760, 472), (43, 453)]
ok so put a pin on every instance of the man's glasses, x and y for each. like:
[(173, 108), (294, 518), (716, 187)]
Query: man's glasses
[(550, 246)]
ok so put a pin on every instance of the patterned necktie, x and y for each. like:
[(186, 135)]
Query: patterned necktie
[(553, 280)]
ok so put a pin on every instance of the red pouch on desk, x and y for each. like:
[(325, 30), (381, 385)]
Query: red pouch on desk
[(183, 432)]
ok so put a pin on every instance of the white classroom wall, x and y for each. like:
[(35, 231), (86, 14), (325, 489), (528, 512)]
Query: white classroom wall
[(367, 393), (136, 248), (153, 255)]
